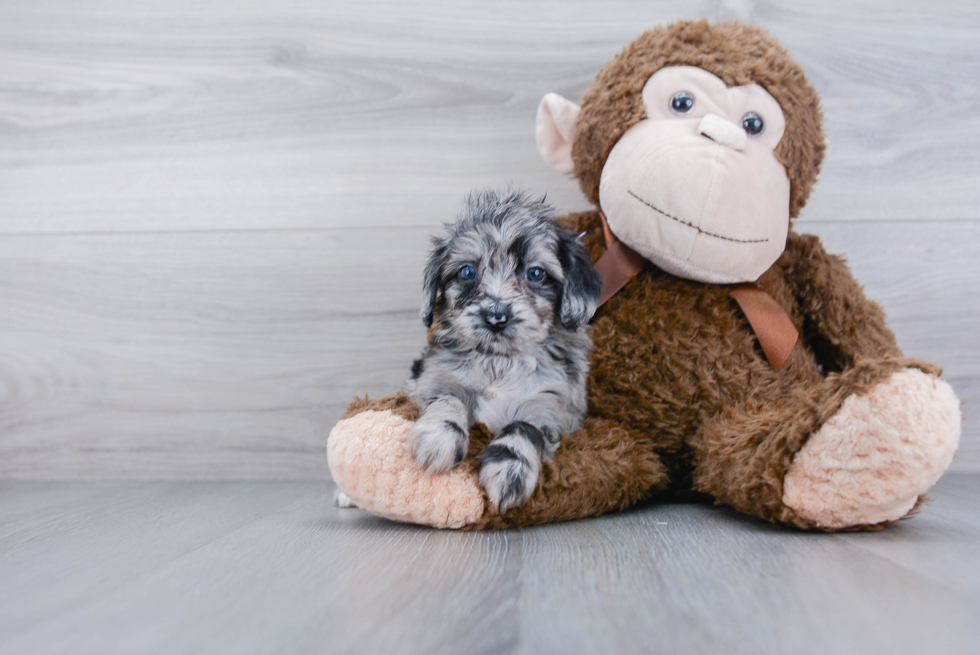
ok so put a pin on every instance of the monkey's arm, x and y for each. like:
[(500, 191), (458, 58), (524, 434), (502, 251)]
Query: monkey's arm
[(841, 324)]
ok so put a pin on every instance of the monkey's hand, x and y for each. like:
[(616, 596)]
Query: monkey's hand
[(371, 463), (440, 438)]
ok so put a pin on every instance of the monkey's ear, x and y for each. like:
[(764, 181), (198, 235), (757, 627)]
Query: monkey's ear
[(580, 292), (432, 282), (554, 131)]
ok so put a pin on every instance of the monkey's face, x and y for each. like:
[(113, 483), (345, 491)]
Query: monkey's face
[(695, 187)]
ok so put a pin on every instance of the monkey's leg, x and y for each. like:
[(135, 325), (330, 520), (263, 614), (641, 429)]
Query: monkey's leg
[(600, 468), (853, 452)]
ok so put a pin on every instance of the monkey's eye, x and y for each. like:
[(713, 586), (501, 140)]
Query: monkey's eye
[(682, 103), (535, 274), (467, 273), (752, 123)]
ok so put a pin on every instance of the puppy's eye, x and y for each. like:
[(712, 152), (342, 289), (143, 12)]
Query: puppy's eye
[(467, 273), (535, 274)]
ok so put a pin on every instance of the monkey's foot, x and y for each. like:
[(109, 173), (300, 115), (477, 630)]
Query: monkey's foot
[(370, 461), (877, 455)]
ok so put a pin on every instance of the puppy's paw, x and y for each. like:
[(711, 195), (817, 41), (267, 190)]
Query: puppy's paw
[(508, 474), (438, 444)]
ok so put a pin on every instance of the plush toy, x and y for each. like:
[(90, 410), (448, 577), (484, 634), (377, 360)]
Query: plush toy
[(733, 357)]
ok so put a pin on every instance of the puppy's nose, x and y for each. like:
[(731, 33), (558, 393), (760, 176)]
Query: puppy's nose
[(496, 316)]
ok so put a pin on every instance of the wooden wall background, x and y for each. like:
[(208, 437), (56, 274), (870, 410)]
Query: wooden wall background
[(214, 213)]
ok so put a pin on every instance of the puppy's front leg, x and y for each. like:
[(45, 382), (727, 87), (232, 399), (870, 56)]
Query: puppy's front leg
[(440, 438), (511, 464)]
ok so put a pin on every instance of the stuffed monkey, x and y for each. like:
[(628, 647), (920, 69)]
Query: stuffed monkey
[(733, 357)]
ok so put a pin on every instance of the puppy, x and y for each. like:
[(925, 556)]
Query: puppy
[(507, 295)]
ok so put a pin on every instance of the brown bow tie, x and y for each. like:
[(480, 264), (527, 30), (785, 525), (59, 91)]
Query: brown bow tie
[(772, 325)]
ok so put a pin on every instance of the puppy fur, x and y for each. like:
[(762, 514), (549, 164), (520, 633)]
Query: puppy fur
[(507, 296)]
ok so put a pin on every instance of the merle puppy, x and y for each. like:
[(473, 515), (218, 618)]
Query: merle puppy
[(508, 293)]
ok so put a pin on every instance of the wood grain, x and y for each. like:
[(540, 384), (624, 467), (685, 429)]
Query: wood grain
[(303, 577), (198, 355), (263, 567), (699, 580), (917, 546), (253, 115), (116, 533), (231, 354), (213, 215)]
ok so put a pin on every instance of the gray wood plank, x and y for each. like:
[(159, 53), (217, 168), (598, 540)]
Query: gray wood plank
[(59, 558), (198, 355), (24, 500), (231, 355), (306, 577), (690, 579), (942, 541), (276, 567), (322, 114)]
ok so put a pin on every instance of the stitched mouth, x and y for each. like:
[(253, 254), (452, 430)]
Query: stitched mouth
[(692, 225)]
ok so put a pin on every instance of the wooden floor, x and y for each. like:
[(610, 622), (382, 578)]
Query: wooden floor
[(275, 567)]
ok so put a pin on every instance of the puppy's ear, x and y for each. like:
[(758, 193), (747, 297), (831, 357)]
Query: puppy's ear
[(580, 292), (432, 281)]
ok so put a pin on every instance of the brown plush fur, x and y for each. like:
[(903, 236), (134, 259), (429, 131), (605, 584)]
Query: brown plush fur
[(736, 53), (399, 404), (601, 468), (680, 393)]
